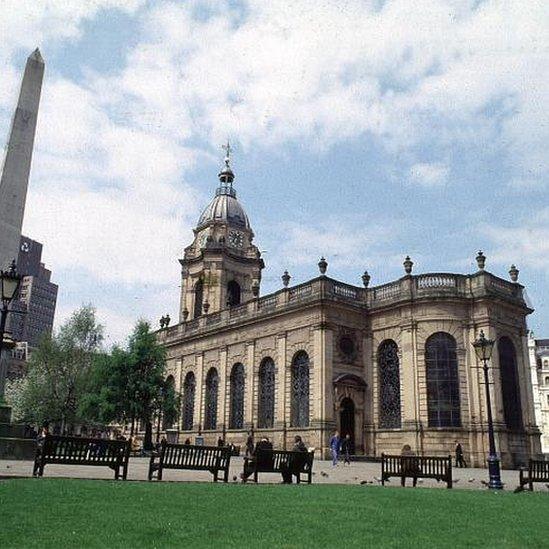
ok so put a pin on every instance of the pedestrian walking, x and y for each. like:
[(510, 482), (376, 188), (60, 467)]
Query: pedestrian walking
[(460, 460), (335, 445), (346, 448), (249, 446)]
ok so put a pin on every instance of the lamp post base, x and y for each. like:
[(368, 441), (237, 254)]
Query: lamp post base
[(494, 473)]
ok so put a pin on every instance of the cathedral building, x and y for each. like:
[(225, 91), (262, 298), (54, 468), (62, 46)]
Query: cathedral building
[(390, 365)]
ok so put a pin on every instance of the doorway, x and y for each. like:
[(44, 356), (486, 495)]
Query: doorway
[(347, 419)]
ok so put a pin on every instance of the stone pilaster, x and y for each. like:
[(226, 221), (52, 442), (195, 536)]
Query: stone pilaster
[(200, 383), (223, 410), (281, 407), (250, 386)]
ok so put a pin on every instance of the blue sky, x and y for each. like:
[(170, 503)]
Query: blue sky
[(362, 130)]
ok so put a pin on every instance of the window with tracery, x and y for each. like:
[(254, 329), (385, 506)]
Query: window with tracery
[(300, 390), (389, 385), (509, 383), (443, 403), (236, 418), (189, 388), (212, 385), (266, 398)]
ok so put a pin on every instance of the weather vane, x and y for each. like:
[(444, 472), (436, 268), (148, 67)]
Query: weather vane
[(228, 150)]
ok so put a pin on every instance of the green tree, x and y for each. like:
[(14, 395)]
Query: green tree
[(129, 385), (59, 371)]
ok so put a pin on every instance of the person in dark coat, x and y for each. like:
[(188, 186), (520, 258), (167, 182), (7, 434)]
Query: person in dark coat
[(249, 445), (409, 466), (460, 461), (220, 442), (346, 448), (259, 457), (296, 462)]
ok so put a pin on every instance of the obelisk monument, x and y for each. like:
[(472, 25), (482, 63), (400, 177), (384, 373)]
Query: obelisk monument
[(17, 159)]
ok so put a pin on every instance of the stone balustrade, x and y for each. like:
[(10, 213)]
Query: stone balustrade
[(417, 287)]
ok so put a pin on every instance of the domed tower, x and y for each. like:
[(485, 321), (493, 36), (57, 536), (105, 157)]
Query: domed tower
[(222, 267)]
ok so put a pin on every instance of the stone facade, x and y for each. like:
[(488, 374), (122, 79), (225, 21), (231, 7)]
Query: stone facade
[(360, 359), (539, 364)]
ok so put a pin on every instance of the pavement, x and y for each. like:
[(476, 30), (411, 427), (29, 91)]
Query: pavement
[(323, 473)]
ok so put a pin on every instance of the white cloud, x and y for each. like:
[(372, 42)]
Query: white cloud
[(112, 151), (429, 175)]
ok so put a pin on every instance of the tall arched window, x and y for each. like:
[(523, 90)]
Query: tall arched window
[(233, 293), (509, 383), (300, 390), (236, 418), (212, 384), (168, 418), (189, 387), (266, 399), (389, 385), (198, 298), (443, 404)]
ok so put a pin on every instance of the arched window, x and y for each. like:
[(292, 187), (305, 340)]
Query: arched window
[(389, 385), (168, 418), (443, 404), (198, 298), (189, 387), (212, 384), (547, 380), (300, 390), (266, 400), (509, 383), (233, 293), (236, 418)]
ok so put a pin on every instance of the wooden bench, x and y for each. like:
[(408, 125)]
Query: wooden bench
[(63, 450), (277, 461), (538, 471), (214, 459), (438, 468)]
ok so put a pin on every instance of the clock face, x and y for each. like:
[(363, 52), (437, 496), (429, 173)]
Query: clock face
[(236, 239)]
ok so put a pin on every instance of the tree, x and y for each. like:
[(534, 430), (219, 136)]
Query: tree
[(128, 385), (59, 371)]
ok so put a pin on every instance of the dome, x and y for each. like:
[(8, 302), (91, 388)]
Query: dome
[(224, 208)]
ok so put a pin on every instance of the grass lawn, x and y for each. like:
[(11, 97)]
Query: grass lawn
[(65, 513)]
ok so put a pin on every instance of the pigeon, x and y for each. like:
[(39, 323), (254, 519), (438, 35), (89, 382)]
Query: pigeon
[(234, 478), (323, 474), (456, 481), (363, 482), (471, 480), (484, 483)]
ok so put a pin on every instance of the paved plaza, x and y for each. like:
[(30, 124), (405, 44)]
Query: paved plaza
[(323, 473)]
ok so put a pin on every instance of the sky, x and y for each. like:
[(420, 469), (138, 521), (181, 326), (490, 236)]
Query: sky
[(363, 131)]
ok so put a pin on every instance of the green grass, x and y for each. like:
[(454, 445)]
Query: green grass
[(65, 513)]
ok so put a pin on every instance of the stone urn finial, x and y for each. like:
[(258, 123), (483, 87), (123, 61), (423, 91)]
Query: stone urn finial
[(206, 307), (322, 266), (162, 322), (366, 279), (481, 260), (185, 314), (255, 288), (286, 279), (408, 264), (514, 273)]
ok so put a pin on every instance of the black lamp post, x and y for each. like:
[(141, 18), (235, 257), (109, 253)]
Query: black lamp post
[(9, 284), (483, 349)]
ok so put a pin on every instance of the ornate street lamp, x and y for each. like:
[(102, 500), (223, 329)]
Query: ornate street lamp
[(9, 285), (483, 349)]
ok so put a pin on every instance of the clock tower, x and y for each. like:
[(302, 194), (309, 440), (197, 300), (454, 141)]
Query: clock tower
[(222, 267)]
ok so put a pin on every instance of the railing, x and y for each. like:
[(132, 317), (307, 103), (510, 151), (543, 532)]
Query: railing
[(345, 290), (428, 281), (240, 310), (503, 286), (268, 302), (214, 318), (387, 291), (423, 286), (300, 292)]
